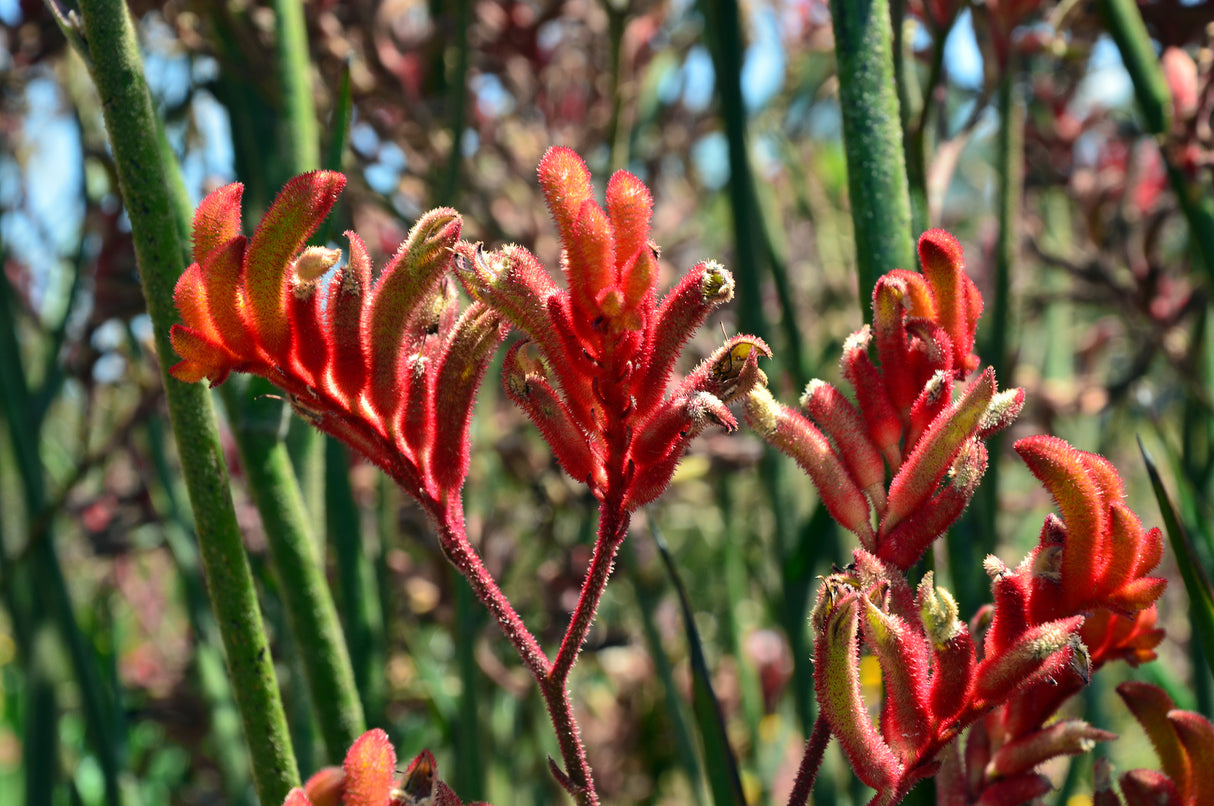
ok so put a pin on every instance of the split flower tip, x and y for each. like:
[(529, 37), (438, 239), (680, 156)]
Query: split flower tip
[(367, 778)]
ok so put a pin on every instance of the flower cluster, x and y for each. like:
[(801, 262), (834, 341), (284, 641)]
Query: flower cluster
[(593, 373), (905, 416), (1081, 598), (383, 360), (367, 778), (1184, 741), (1090, 569)]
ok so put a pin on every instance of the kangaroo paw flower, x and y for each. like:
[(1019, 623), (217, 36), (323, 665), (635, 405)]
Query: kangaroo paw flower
[(386, 363)]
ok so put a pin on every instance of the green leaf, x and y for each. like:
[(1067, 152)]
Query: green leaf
[(724, 780), (1196, 582)]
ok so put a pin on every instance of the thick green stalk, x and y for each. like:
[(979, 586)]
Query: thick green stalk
[(876, 167), (724, 21), (310, 611), (457, 100), (300, 134), (1125, 25), (154, 199), (360, 614)]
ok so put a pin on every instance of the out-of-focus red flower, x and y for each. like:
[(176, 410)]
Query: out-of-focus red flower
[(1184, 741)]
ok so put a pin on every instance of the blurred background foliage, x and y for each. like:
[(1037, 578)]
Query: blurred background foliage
[(112, 687)]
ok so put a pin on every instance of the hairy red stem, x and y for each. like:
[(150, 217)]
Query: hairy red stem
[(453, 538), (811, 762)]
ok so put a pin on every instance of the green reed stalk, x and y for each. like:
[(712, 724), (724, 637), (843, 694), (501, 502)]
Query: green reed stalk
[(872, 140)]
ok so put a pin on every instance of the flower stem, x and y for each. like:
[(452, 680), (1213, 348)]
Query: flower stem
[(612, 528), (811, 762), (454, 541)]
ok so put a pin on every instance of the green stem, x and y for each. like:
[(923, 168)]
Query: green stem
[(300, 134), (310, 611), (155, 202), (916, 140), (457, 99), (724, 21), (1125, 25), (356, 583), (876, 167)]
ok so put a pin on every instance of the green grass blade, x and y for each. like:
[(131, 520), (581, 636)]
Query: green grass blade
[(724, 780), (647, 594), (1196, 581)]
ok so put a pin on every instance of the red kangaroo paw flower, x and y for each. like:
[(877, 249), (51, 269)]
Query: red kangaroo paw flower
[(1111, 636), (679, 315), (840, 421), (1196, 734), (297, 797), (347, 297), (525, 379), (891, 299), (1150, 705), (884, 424), (953, 658), (1015, 791), (1184, 742), (367, 779), (1106, 550), (904, 659), (1151, 788), (933, 398), (607, 346), (1040, 651), (406, 281), (286, 227), (460, 369), (326, 787), (1064, 472), (217, 221), (1068, 737), (386, 365), (908, 541)]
